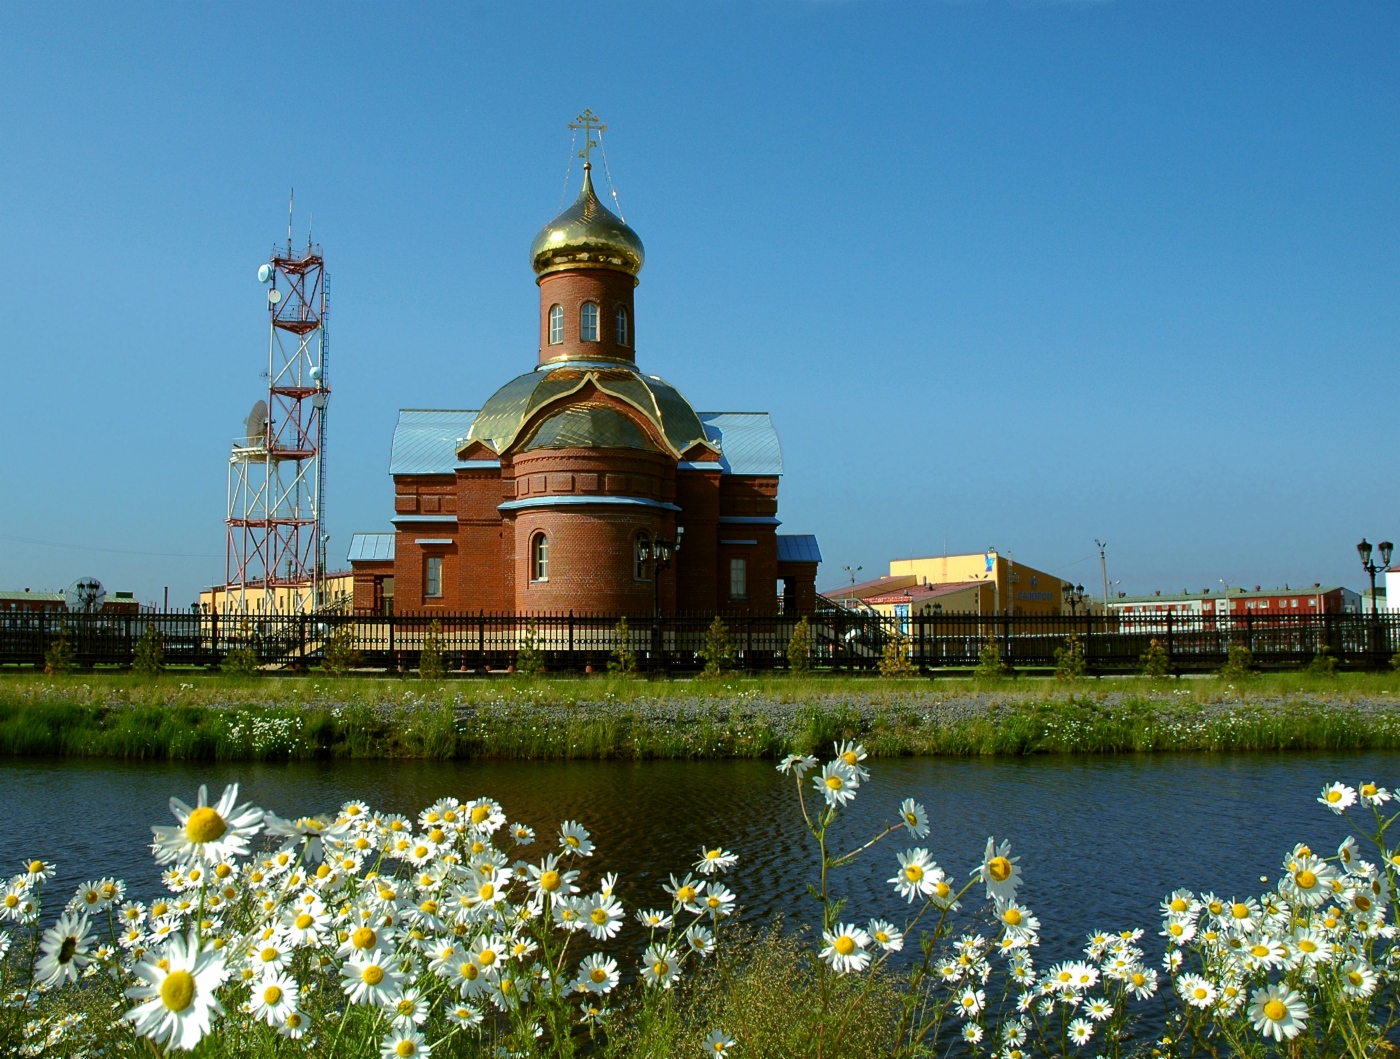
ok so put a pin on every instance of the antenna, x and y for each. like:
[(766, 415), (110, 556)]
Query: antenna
[(291, 198)]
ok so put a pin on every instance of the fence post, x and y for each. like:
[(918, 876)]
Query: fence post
[(923, 648), (393, 659), (1169, 636), (1249, 630), (214, 636), (571, 637)]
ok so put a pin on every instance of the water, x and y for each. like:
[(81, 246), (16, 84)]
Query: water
[(1101, 839)]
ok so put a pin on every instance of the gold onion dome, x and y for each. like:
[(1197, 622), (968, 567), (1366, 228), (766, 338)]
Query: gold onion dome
[(587, 235)]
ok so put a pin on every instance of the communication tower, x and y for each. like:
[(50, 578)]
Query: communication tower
[(276, 474)]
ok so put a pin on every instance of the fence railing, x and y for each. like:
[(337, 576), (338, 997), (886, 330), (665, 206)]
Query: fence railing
[(840, 640)]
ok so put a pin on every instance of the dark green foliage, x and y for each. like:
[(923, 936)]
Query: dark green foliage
[(989, 663), (1155, 661), (1324, 663), (1239, 664), (623, 659), (431, 664), (1069, 659), (894, 658), (717, 652), (149, 657), (799, 649), (340, 655), (529, 659), (240, 662), (60, 656)]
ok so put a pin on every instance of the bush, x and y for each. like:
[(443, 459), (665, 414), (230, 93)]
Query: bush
[(717, 652), (894, 659), (60, 657), (623, 659), (799, 649), (149, 659), (241, 662), (340, 654), (1238, 665), (1324, 663), (1069, 659), (989, 663), (529, 659), (431, 665), (1155, 661)]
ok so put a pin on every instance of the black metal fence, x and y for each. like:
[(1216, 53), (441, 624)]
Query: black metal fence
[(840, 640)]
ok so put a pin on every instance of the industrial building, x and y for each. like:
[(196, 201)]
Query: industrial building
[(977, 583)]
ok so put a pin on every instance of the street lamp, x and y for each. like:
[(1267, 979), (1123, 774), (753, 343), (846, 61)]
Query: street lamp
[(1364, 550), (1073, 595), (656, 554)]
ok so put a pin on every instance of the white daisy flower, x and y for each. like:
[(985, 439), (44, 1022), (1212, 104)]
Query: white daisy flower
[(1098, 1009), (885, 934), (602, 916), (176, 1001), (971, 1002), (597, 974), (573, 838), (274, 998), (409, 1010), (972, 1033), (715, 860), (1196, 991), (404, 1043), (837, 783), (718, 1043), (686, 892), (719, 901), (660, 966), (1372, 795), (1081, 1031), (851, 755), (1358, 978), (999, 871), (1020, 925), (913, 816), (1309, 881), (845, 948), (207, 833), (464, 1015), (700, 940), (371, 978), (523, 835), (549, 883), (1338, 797), (1278, 1012), (65, 950), (799, 764), (918, 875), (653, 919)]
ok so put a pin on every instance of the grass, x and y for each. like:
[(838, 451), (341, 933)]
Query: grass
[(222, 718)]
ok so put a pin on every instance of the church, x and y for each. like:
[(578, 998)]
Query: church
[(585, 484)]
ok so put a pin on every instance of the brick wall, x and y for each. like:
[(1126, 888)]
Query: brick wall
[(608, 290)]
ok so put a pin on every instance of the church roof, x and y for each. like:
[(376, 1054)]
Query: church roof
[(426, 441), (587, 235), (371, 548), (798, 548)]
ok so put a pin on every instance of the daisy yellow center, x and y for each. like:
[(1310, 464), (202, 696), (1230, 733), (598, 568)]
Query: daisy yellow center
[(487, 957), (478, 847), (1363, 902), (363, 938), (487, 891), (845, 945), (177, 991), (205, 825), (1355, 977), (437, 834), (1178, 905), (1012, 916), (914, 873), (849, 757), (1259, 950), (834, 782), (1368, 789), (1305, 879), (372, 975), (480, 813), (572, 840), (661, 968), (1332, 796), (1239, 910), (272, 994), (1307, 945), (1200, 992), (304, 921), (882, 937), (1275, 1010), (550, 881), (712, 854), (1139, 979), (598, 916), (598, 974), (911, 819), (469, 971), (293, 1020), (685, 894), (999, 868), (420, 851), (712, 901), (1176, 930), (429, 907), (406, 1049), (942, 889), (11, 901), (35, 867), (405, 1007)]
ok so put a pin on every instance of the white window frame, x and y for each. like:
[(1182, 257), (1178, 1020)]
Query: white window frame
[(623, 326), (539, 558), (556, 325), (738, 578), (432, 571), (588, 322)]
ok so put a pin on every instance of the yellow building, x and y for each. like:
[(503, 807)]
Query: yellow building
[(336, 593), (981, 583)]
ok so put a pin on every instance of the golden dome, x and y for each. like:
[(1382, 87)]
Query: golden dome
[(587, 235)]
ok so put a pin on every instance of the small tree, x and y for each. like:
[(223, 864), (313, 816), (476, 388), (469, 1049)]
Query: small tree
[(431, 665), (1069, 659), (1238, 665), (799, 649), (1324, 663), (1155, 661), (623, 659), (717, 652), (340, 654), (529, 659), (241, 662), (149, 659), (60, 656), (989, 663), (894, 659)]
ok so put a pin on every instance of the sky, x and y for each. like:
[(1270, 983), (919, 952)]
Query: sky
[(1006, 273)]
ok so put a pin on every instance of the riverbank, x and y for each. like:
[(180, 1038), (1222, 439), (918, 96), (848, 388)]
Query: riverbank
[(223, 719)]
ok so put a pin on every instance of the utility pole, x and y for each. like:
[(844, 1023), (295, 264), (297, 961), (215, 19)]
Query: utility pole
[(1103, 567)]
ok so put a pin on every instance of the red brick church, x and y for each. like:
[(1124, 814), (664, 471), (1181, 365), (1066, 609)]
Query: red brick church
[(585, 484)]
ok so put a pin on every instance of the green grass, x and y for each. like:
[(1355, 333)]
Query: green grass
[(219, 718)]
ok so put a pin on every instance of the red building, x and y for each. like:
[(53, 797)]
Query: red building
[(551, 496)]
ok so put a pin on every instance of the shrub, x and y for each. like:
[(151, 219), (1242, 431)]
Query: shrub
[(529, 659), (60, 656), (149, 658), (1155, 661), (717, 652), (241, 662), (894, 658), (623, 659), (1324, 663), (799, 649), (1069, 659), (989, 663), (340, 655), (1238, 665), (431, 665)]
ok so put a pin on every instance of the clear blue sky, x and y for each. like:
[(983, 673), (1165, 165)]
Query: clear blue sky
[(1005, 273)]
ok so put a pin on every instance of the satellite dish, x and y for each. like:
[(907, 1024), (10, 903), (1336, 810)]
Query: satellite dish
[(274, 295), (264, 273), (315, 373), (256, 424), (85, 595)]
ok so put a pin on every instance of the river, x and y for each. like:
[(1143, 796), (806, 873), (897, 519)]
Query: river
[(1101, 839)]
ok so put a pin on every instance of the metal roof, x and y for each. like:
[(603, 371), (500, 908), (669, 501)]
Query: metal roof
[(426, 440), (748, 443), (798, 548), (47, 597), (371, 548)]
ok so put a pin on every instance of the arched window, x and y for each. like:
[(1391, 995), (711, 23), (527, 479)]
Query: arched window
[(623, 336), (588, 323), (539, 558), (556, 324), (641, 558)]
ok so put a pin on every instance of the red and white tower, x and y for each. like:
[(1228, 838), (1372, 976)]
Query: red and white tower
[(276, 479)]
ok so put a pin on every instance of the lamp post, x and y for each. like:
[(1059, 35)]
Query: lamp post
[(1364, 551), (1103, 568), (1073, 595), (657, 554)]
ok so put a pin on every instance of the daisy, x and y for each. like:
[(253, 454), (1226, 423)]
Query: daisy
[(719, 901), (597, 974), (718, 1043), (1180, 903), (918, 874), (176, 1001), (846, 948), (686, 892), (913, 816), (409, 1010), (1372, 795), (488, 952), (549, 883), (274, 998), (1358, 978), (851, 755), (715, 860), (466, 973), (1080, 1031), (38, 872), (573, 838), (799, 764), (522, 834), (371, 978), (837, 783), (1278, 1012), (1196, 991), (700, 940), (293, 1026), (1242, 916), (999, 871), (971, 1002), (1264, 953), (885, 934), (17, 901), (1018, 922), (602, 917), (485, 815), (65, 949), (1309, 880), (972, 1033), (405, 1043), (207, 833), (1099, 1009), (660, 966), (306, 924), (464, 1015), (1338, 797)]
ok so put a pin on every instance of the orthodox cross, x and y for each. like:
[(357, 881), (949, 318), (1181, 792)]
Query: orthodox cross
[(589, 123)]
